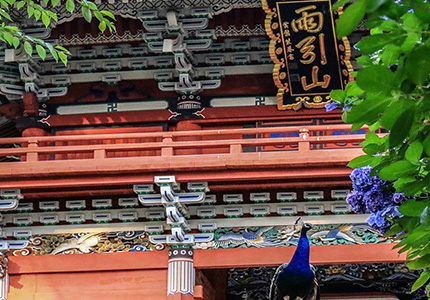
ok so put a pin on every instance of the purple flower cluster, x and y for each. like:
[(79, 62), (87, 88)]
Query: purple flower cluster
[(335, 104), (331, 106), (376, 196)]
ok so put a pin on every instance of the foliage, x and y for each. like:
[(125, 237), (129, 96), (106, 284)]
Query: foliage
[(44, 11), (392, 91)]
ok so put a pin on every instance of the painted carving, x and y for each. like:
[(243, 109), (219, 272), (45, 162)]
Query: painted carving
[(288, 236), (89, 243), (84, 244)]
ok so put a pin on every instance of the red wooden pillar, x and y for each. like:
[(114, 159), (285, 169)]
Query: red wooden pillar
[(181, 274), (31, 128)]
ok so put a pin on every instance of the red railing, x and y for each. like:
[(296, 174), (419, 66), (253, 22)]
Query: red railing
[(228, 141)]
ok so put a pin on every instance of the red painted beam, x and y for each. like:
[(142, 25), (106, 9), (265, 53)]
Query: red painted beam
[(51, 178), (273, 256), (203, 259)]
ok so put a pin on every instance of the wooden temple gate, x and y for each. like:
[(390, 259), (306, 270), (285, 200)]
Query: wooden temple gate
[(196, 92)]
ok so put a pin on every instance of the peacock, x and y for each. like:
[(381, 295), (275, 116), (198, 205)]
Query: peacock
[(296, 280)]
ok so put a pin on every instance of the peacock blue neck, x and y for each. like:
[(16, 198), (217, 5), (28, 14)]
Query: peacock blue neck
[(300, 260)]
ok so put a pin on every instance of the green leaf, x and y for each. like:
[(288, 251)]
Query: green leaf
[(108, 14), (352, 89), (372, 149), (98, 15), (54, 3), (375, 126), (8, 37), (426, 144), (396, 170), (355, 126), (46, 20), (414, 152), (15, 42), (339, 4), (389, 25), (338, 95), (393, 112), (422, 11), (410, 42), (63, 57), (417, 65), (373, 43), (4, 5), (372, 138), (30, 11), (102, 26), (350, 18), (91, 6), (20, 5), (411, 22), (364, 61), (5, 14), (395, 229), (412, 254), (54, 55), (399, 184), (374, 4), (361, 161), (28, 48), (37, 14), (367, 110), (70, 5), (417, 186), (413, 208), (402, 127), (52, 15), (390, 54), (424, 277), (419, 263), (41, 51), (377, 79), (87, 14)]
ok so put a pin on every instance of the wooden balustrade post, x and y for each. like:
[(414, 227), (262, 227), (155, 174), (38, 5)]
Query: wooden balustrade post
[(32, 144), (100, 154), (167, 150), (236, 149), (188, 125), (304, 145)]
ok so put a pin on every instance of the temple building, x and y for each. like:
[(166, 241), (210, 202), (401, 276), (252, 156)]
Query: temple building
[(172, 158)]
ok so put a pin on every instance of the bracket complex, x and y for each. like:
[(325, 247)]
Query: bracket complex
[(181, 33), (176, 211)]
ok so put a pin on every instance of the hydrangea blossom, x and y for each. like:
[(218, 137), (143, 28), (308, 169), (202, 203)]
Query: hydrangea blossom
[(331, 106), (399, 198), (355, 201), (376, 196), (335, 104), (361, 179)]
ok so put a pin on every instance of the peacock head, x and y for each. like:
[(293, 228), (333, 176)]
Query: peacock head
[(306, 227)]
